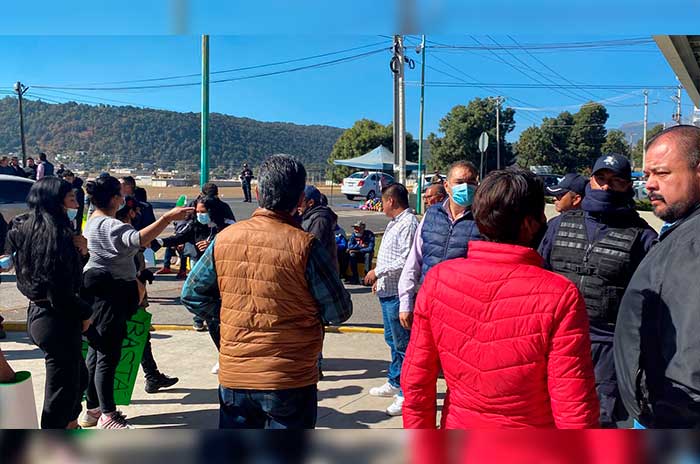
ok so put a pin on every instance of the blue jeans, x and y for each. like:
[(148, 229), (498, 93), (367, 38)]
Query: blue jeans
[(295, 408), (396, 337)]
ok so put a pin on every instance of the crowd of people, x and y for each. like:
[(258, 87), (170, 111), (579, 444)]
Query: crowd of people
[(584, 321)]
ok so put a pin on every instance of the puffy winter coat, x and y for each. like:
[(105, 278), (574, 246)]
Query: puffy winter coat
[(512, 341)]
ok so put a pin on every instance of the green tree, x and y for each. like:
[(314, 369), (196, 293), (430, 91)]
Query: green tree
[(461, 128), (587, 136), (533, 147), (615, 143), (638, 149), (365, 135)]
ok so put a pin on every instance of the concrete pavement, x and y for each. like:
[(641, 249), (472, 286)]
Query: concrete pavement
[(353, 363)]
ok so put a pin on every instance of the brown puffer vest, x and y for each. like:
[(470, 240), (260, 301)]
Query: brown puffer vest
[(271, 331)]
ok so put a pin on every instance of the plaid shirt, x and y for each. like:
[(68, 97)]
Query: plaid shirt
[(393, 252), (200, 294)]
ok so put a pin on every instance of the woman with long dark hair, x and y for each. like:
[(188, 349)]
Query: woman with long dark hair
[(110, 283), (48, 263)]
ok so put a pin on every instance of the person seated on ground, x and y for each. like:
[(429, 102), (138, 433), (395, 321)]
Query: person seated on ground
[(155, 380), (341, 242), (360, 249), (434, 194), (569, 192), (197, 236), (510, 337)]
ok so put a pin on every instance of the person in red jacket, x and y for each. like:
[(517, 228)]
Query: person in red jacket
[(511, 337)]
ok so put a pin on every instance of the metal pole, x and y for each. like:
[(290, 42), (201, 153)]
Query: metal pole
[(678, 104), (402, 114), (644, 136), (20, 89), (395, 71), (498, 133), (419, 199), (204, 159)]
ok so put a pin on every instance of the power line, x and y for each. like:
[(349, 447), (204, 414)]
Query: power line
[(103, 99), (550, 46), (549, 86), (245, 68), (232, 79)]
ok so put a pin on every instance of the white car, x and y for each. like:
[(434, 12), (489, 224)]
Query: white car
[(13, 195), (365, 185), (640, 189), (427, 181)]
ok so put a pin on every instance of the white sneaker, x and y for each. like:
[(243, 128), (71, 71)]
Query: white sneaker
[(386, 391), (115, 420), (89, 418), (215, 369), (395, 408)]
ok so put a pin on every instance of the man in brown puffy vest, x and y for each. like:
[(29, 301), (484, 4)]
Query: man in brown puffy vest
[(273, 287)]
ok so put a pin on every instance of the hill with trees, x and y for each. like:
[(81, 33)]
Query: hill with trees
[(102, 136)]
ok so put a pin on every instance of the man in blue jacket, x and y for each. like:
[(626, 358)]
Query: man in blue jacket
[(443, 234), (598, 248), (360, 249)]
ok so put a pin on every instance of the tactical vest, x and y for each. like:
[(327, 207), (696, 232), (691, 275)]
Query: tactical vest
[(443, 239), (601, 270)]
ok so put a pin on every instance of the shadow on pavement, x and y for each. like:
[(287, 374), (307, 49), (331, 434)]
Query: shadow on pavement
[(193, 396), (202, 419), (328, 417), (350, 390), (19, 355), (333, 369)]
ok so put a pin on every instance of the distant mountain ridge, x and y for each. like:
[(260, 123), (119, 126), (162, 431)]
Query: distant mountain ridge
[(125, 136)]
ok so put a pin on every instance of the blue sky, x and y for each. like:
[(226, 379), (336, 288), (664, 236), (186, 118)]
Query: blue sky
[(139, 47)]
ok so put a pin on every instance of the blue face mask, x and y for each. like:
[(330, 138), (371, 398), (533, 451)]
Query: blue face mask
[(463, 194), (203, 218), (72, 213)]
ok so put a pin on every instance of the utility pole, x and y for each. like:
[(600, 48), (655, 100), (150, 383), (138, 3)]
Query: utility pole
[(419, 198), (21, 89), (646, 119), (204, 158), (499, 100), (677, 99), (397, 67)]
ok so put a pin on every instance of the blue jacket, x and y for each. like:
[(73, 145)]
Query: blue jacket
[(341, 240), (444, 239), (364, 244)]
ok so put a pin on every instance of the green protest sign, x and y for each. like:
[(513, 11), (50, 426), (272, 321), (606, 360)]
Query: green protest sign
[(137, 329)]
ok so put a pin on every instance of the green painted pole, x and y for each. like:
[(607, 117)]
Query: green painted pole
[(419, 199), (204, 160)]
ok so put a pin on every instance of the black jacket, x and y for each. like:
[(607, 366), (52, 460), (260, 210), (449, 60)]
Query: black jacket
[(80, 198), (657, 342), (320, 221), (63, 288)]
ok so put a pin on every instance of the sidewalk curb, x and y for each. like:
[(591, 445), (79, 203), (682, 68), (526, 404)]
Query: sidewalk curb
[(21, 326)]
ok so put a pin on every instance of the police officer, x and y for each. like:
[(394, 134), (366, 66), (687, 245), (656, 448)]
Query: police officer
[(599, 247), (569, 193)]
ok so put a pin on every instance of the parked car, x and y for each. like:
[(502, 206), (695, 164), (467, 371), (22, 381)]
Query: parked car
[(13, 195), (550, 180), (640, 189), (426, 182), (365, 185)]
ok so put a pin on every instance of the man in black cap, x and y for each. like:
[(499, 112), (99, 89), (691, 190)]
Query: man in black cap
[(246, 178), (598, 248), (360, 249), (569, 192)]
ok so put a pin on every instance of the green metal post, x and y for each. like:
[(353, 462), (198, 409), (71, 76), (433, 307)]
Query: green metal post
[(419, 199), (204, 161)]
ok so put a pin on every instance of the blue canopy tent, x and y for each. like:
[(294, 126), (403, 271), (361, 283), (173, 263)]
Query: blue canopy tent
[(379, 159)]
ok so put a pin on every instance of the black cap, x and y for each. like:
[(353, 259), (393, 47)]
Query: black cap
[(618, 164), (570, 183)]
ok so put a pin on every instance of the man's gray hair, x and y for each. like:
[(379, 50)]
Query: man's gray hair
[(281, 181)]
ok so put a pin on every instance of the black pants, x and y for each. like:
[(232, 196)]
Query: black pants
[(355, 258), (148, 362), (59, 337), (214, 327), (246, 191), (611, 408), (114, 302)]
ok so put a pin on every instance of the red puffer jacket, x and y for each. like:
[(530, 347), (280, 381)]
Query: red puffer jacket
[(511, 338)]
